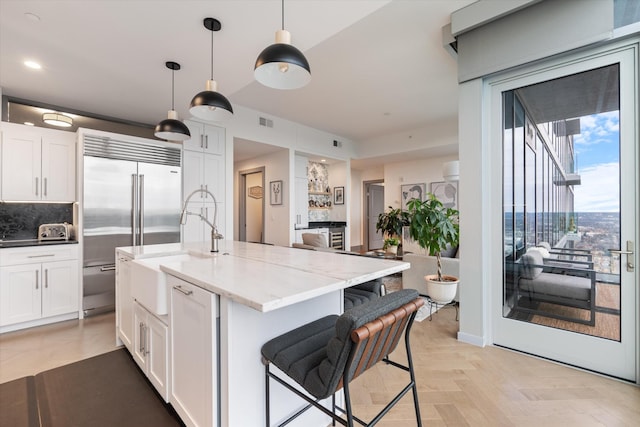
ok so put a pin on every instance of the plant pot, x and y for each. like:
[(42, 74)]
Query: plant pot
[(441, 292), (393, 250)]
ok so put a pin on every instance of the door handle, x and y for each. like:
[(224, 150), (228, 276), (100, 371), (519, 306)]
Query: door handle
[(630, 251), (108, 268), (134, 208), (141, 211)]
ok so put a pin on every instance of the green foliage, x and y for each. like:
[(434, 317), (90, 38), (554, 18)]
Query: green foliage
[(433, 226), (391, 241), (391, 222)]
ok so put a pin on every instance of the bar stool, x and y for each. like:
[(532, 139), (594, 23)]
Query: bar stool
[(325, 355)]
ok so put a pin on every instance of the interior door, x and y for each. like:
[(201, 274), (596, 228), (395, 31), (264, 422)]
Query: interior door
[(566, 133), (375, 206)]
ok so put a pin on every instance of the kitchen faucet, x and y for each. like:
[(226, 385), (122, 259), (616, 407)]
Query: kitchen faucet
[(215, 236)]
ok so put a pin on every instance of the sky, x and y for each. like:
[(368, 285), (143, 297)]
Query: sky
[(598, 160)]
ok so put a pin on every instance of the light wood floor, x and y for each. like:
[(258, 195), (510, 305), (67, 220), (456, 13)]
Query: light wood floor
[(459, 384)]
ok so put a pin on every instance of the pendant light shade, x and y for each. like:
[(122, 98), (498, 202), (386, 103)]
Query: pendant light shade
[(171, 128), (282, 65), (211, 104)]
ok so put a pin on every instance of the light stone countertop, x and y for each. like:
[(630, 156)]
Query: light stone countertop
[(266, 277)]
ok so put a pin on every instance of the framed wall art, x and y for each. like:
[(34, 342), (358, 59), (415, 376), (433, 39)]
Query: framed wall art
[(412, 191), (338, 195), (446, 192), (275, 188)]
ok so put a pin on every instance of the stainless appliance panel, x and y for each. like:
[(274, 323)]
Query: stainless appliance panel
[(160, 203), (108, 196), (126, 203)]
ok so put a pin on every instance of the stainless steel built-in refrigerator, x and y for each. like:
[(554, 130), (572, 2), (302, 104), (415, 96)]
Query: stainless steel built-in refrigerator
[(132, 196)]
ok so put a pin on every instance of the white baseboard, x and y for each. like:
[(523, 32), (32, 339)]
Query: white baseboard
[(471, 339)]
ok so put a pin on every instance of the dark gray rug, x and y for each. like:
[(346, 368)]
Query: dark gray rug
[(103, 391)]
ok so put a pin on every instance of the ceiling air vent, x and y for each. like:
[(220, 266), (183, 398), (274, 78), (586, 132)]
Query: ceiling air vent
[(265, 122)]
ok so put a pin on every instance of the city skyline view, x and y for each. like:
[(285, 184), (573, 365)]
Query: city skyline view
[(597, 151)]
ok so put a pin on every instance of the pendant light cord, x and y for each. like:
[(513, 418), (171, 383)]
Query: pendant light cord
[(173, 73), (212, 55), (282, 14)]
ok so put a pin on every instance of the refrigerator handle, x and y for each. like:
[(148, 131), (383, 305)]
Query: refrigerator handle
[(141, 212), (134, 208)]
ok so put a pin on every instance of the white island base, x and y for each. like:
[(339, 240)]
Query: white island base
[(223, 307)]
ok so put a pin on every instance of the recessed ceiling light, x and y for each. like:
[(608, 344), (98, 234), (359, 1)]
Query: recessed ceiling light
[(57, 119), (33, 64), (29, 124)]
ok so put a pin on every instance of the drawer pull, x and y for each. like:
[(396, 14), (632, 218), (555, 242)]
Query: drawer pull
[(41, 256), (179, 288)]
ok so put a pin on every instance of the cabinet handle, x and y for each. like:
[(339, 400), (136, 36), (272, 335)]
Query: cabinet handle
[(40, 256), (44, 193), (179, 288), (146, 341), (206, 144), (46, 277), (141, 346), (36, 185), (201, 141), (37, 279)]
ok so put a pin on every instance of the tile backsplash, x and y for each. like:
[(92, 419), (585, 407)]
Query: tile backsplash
[(20, 221)]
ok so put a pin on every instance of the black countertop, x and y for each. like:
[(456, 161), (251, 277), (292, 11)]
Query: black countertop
[(327, 224), (34, 242)]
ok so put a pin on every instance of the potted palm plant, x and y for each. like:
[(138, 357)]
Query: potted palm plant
[(434, 227), (391, 222)]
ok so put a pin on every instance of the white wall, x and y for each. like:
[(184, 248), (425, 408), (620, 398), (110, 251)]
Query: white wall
[(277, 218), (356, 230), (286, 134), (337, 173), (415, 172)]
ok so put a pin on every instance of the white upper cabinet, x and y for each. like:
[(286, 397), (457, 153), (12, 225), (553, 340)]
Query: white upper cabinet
[(205, 138), (38, 164), (203, 168)]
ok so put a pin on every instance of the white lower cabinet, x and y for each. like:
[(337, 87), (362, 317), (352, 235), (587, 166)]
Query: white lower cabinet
[(193, 353), (151, 348), (124, 301), (33, 292)]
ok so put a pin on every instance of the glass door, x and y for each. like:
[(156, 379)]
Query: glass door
[(568, 133)]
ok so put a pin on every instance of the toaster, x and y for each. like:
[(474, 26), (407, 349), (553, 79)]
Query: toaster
[(53, 231)]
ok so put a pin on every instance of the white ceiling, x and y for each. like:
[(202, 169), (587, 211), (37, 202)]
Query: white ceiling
[(378, 66)]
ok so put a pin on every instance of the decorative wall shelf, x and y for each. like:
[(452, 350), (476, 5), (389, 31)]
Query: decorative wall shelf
[(319, 193)]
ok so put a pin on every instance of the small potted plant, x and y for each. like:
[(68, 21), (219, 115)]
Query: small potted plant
[(391, 222), (434, 227), (391, 245)]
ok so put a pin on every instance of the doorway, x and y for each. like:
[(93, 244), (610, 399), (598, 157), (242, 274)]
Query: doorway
[(251, 205), (568, 135), (373, 206)]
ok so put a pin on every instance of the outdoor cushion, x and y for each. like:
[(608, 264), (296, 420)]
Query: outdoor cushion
[(531, 265), (559, 285)]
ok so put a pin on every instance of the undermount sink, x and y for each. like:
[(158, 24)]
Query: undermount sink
[(149, 283)]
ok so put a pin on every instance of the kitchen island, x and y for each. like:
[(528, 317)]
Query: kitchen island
[(219, 309)]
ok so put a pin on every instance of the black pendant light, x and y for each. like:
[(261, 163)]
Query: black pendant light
[(211, 104), (171, 128), (281, 65)]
